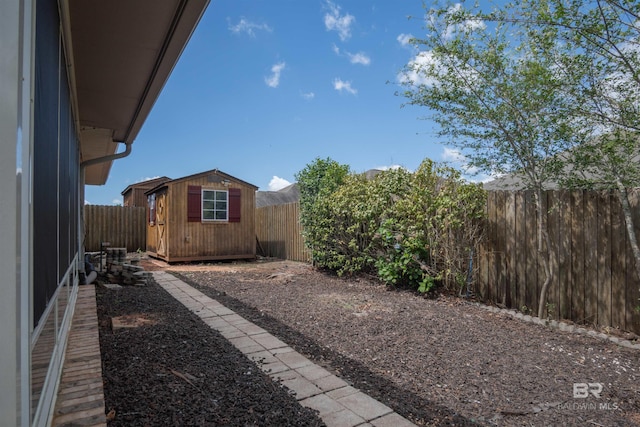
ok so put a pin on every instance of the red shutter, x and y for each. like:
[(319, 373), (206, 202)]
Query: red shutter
[(234, 205), (194, 203)]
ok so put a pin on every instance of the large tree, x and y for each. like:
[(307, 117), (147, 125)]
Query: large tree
[(547, 89), (494, 91), (598, 56)]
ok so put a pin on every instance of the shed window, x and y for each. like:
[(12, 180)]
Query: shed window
[(151, 200), (215, 205)]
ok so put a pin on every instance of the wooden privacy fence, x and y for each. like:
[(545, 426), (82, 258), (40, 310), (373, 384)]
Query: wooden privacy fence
[(122, 227), (593, 267), (279, 233)]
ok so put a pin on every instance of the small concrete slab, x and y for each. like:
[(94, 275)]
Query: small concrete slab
[(256, 348), (263, 357), (364, 406), (250, 329), (234, 318), (273, 368), (112, 286), (231, 332), (342, 392), (313, 372), (392, 420), (268, 341), (330, 383), (242, 342), (293, 359), (222, 311), (216, 322), (323, 404), (344, 418), (302, 387)]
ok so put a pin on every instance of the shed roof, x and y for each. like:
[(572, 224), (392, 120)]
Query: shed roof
[(219, 173), (146, 185)]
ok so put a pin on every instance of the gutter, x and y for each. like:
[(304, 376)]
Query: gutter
[(108, 158)]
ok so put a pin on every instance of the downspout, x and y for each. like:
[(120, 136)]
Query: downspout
[(108, 158), (83, 167)]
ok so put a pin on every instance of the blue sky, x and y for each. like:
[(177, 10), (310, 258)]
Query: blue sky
[(266, 86)]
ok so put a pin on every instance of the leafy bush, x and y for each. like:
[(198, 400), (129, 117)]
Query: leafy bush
[(409, 229)]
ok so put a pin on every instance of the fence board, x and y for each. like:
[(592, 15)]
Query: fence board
[(577, 256), (603, 296), (618, 263), (590, 222), (122, 227), (631, 297), (501, 276), (564, 254), (553, 293), (509, 248), (521, 250), (530, 215)]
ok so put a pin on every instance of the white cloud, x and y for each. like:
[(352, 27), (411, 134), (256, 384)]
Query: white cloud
[(86, 202), (404, 39), (274, 79), (359, 58), (340, 85), (392, 167), (452, 155), (458, 160), (354, 58), (248, 27), (334, 21), (117, 202), (308, 96), (147, 178), (459, 26), (415, 76), (278, 183)]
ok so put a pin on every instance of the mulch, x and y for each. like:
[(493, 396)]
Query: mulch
[(441, 361)]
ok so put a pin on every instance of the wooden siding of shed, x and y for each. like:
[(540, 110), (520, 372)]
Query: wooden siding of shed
[(195, 241), (135, 197)]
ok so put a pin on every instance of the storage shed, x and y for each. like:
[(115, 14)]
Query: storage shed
[(134, 196), (206, 216)]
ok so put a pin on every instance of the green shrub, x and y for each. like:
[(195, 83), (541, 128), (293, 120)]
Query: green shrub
[(410, 229)]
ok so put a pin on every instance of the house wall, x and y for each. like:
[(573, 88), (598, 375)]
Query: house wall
[(209, 240), (15, 33), (39, 221)]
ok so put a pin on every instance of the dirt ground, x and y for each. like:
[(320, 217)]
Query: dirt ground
[(441, 361)]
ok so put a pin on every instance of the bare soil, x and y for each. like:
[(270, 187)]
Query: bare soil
[(439, 361)]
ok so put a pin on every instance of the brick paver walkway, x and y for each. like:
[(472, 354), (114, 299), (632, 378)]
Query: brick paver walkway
[(338, 403)]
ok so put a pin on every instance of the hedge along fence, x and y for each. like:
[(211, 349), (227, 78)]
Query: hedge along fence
[(279, 233), (122, 227), (593, 267)]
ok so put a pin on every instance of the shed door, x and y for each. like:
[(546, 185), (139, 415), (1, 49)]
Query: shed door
[(161, 219)]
